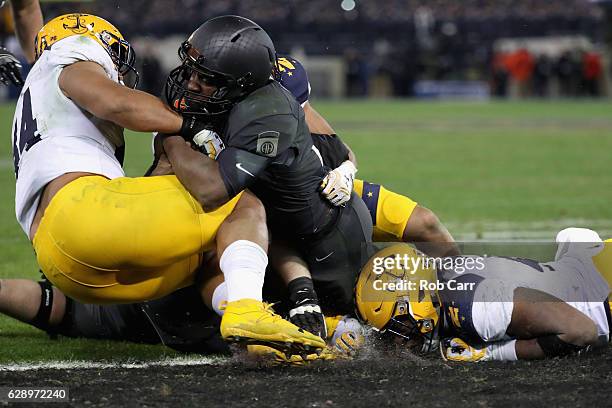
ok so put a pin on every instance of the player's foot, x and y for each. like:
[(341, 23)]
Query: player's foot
[(269, 354), (253, 322)]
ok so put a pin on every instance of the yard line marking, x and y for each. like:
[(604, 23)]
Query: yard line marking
[(524, 231), (80, 364)]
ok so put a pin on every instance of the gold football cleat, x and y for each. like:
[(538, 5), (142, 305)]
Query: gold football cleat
[(276, 357), (250, 321)]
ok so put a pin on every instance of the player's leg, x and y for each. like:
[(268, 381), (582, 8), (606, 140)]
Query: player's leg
[(242, 242), (398, 218), (35, 303), (545, 326), (124, 240), (335, 257)]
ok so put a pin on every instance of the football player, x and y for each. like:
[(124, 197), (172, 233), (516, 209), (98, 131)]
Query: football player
[(28, 21), (264, 145), (101, 237), (395, 217), (498, 308)]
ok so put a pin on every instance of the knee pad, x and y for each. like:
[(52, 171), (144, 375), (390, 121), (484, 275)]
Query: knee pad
[(553, 346)]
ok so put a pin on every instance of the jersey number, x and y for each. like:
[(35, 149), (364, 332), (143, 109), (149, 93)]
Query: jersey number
[(27, 135)]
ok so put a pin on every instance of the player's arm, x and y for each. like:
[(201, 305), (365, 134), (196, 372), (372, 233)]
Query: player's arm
[(317, 124), (87, 84), (198, 173), (28, 22), (237, 166)]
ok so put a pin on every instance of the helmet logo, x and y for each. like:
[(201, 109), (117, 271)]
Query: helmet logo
[(285, 65), (79, 26)]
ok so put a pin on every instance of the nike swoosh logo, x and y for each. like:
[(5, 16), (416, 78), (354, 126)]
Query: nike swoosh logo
[(239, 167), (324, 258)]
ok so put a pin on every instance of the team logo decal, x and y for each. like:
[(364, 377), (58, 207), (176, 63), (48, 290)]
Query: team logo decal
[(267, 143), (79, 27), (285, 65)]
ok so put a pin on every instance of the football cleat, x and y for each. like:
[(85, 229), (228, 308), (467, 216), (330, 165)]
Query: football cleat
[(249, 321), (455, 349), (277, 357)]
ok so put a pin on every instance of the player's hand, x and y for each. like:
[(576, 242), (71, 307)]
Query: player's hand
[(305, 311), (10, 68), (338, 183), (348, 337), (456, 349), (209, 143)]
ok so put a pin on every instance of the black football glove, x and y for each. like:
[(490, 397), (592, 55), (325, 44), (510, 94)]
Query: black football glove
[(201, 136), (192, 125), (10, 68), (304, 309)]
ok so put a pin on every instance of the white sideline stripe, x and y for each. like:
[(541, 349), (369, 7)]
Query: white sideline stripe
[(80, 364), (519, 231)]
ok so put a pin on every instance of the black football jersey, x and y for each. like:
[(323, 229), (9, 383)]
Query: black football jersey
[(269, 150)]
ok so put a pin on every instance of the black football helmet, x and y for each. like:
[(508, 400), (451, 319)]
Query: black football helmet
[(232, 53)]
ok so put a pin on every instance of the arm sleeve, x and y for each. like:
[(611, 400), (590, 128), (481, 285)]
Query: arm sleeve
[(253, 148)]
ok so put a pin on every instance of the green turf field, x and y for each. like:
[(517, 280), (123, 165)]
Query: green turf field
[(498, 169)]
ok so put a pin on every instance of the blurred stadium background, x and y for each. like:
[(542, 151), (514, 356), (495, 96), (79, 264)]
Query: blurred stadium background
[(493, 113), (393, 48)]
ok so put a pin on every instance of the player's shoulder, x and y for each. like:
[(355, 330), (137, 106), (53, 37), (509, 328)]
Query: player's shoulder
[(293, 76), (269, 103)]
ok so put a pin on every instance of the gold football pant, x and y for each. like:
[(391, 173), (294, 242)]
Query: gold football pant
[(124, 240), (390, 211)]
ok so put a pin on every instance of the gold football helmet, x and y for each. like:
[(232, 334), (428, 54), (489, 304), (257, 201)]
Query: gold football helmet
[(390, 295), (97, 28)]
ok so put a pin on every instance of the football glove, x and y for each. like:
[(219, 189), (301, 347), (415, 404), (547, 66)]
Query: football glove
[(456, 349), (10, 68), (304, 309), (348, 337), (209, 143), (338, 184)]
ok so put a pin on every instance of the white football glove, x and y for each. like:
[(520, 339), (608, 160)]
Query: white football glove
[(209, 143), (456, 349), (338, 183), (348, 337)]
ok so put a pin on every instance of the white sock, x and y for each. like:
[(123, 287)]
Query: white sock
[(219, 296), (243, 264), (503, 351)]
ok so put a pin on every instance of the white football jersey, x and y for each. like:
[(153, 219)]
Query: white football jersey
[(573, 279), (52, 135)]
